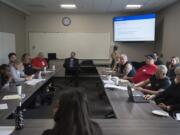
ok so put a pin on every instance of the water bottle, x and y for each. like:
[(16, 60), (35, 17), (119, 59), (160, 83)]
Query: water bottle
[(19, 121), (53, 67), (40, 75)]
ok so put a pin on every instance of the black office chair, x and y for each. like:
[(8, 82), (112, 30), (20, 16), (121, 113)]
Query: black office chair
[(87, 67), (87, 62), (137, 65)]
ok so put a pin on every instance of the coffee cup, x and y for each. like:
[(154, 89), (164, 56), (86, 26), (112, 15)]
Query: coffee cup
[(53, 67), (45, 68), (19, 89), (40, 75), (109, 77)]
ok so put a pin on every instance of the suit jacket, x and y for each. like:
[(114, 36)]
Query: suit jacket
[(75, 64)]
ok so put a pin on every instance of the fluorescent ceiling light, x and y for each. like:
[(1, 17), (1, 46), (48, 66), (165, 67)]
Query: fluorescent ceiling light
[(133, 6), (68, 6)]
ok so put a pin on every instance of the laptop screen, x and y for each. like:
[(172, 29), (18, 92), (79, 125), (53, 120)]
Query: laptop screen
[(130, 92)]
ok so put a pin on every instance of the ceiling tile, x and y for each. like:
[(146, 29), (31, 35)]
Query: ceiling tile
[(90, 6)]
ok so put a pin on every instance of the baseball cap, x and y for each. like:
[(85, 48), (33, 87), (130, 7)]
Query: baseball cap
[(150, 56)]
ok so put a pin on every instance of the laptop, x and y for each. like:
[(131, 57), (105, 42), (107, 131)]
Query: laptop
[(136, 98), (52, 56)]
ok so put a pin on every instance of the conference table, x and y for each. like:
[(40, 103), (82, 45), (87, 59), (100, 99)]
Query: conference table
[(27, 90), (131, 118), (124, 108), (109, 126)]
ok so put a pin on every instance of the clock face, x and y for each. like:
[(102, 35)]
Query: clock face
[(66, 21)]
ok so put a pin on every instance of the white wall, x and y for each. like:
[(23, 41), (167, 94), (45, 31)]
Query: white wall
[(61, 43), (7, 44), (85, 23), (171, 31), (13, 21)]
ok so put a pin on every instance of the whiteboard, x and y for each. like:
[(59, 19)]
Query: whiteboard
[(7, 45), (86, 45)]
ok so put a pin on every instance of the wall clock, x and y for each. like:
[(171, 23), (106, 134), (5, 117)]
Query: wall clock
[(66, 21)]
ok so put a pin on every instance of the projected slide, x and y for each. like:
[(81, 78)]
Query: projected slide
[(134, 28)]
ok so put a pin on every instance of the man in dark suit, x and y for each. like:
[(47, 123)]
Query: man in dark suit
[(71, 66)]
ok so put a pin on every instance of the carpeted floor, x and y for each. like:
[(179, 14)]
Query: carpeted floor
[(91, 86)]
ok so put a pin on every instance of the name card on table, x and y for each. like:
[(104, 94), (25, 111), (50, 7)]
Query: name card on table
[(11, 97), (34, 81), (111, 86), (178, 116), (3, 106), (6, 130)]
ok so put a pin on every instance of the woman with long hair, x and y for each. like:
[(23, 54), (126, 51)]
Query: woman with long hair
[(174, 63), (72, 118)]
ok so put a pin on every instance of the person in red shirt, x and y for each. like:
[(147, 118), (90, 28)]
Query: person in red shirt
[(146, 71), (39, 62)]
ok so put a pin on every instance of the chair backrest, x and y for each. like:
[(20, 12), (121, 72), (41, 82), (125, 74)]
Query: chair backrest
[(87, 62), (137, 65)]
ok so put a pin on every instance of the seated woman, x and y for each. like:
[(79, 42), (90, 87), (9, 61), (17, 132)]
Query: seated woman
[(125, 68), (17, 72), (5, 76), (71, 116), (26, 60), (169, 99), (116, 63), (171, 67), (158, 82)]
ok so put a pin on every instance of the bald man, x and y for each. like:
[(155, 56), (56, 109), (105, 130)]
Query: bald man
[(39, 62)]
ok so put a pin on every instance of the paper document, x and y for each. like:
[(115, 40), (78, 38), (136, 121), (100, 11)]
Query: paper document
[(103, 76), (34, 81), (110, 71), (123, 81), (115, 87), (10, 97), (108, 82), (6, 130), (3, 106), (47, 71)]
